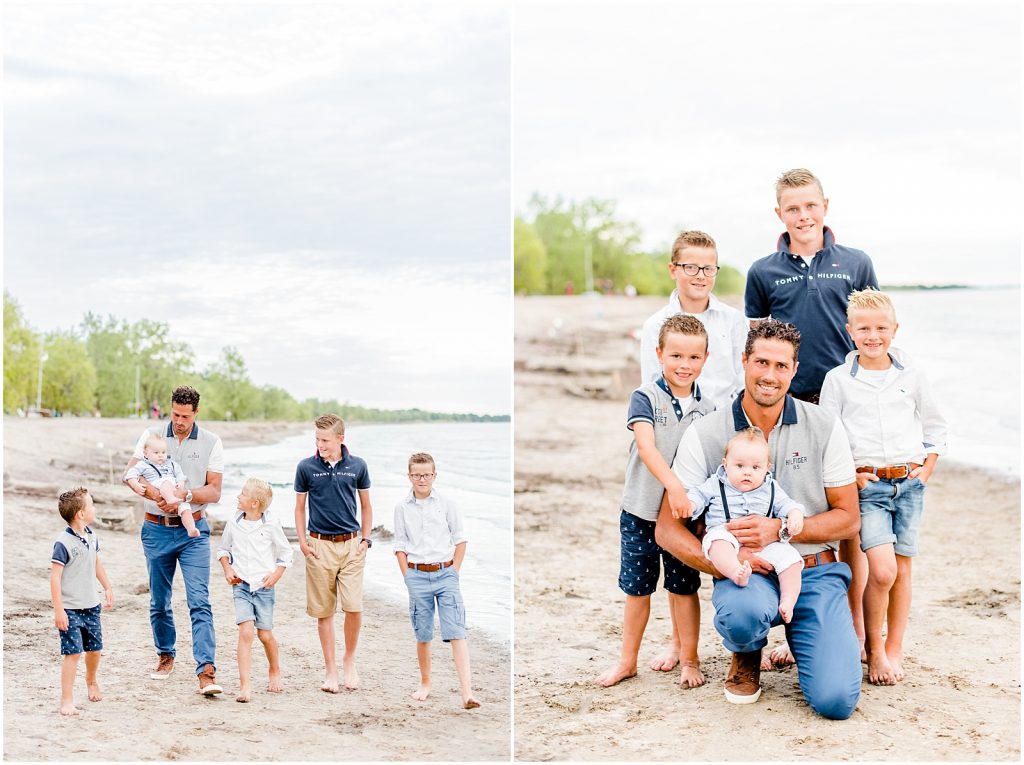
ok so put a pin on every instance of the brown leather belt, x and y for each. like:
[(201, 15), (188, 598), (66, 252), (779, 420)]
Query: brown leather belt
[(891, 472), (334, 537), (818, 559), (431, 566), (171, 520)]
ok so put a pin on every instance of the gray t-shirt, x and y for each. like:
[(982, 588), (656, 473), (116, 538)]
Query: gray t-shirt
[(78, 585), (653, 402)]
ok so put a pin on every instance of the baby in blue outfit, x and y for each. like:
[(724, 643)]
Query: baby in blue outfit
[(164, 474), (743, 486)]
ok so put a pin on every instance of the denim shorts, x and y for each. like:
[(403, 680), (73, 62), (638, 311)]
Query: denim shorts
[(442, 587), (890, 513), (640, 561), (254, 606), (83, 633)]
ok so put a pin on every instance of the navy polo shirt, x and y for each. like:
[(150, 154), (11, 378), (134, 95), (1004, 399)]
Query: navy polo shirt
[(814, 298), (331, 491)]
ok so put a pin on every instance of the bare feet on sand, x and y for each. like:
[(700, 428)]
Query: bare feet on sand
[(667, 661), (351, 676), (896, 662), (690, 675), (244, 697), (330, 683), (616, 675), (274, 685), (68, 708), (470, 703), (421, 693), (94, 690), (880, 671), (778, 657)]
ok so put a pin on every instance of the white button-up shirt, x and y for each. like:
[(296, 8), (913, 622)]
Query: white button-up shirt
[(254, 549), (427, 530), (891, 421), (722, 376)]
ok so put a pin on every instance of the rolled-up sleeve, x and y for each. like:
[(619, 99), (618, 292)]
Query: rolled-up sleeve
[(401, 543)]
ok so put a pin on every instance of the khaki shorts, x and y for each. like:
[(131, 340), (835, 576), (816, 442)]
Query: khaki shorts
[(334, 582)]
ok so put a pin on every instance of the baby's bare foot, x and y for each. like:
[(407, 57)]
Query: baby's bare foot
[(667, 661), (690, 675), (274, 684), (68, 708), (879, 669), (742, 575), (94, 690), (616, 675), (786, 611), (422, 692)]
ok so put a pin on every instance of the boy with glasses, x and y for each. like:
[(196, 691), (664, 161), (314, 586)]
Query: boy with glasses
[(693, 265), (430, 546)]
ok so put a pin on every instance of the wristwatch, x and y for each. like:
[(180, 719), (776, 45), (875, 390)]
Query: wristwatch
[(784, 535), (188, 495), (369, 542)]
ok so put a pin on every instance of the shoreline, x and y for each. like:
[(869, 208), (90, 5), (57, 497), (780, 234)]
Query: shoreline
[(142, 719)]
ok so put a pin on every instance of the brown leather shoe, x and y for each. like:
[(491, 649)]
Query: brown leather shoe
[(743, 683), (163, 669), (208, 681)]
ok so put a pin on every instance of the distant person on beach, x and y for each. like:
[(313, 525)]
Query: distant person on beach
[(693, 265), (430, 545), (897, 434), (337, 485), (807, 282), (75, 568), (167, 545), (812, 462), (166, 475), (659, 413), (254, 553), (743, 475)]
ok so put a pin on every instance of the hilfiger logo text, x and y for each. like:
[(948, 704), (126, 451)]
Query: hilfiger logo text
[(795, 460)]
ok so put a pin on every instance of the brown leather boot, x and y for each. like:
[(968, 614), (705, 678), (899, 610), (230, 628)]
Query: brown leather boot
[(163, 668), (208, 681), (743, 683)]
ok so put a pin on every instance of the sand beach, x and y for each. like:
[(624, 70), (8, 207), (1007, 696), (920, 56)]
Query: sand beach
[(576, 364), (141, 719)]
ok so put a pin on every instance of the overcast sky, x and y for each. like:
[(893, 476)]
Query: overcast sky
[(685, 114), (325, 187)]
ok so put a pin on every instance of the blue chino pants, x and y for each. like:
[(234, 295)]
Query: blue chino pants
[(167, 547), (821, 634)]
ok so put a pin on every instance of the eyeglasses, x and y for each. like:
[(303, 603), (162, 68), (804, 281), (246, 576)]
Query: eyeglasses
[(692, 269), (420, 476)]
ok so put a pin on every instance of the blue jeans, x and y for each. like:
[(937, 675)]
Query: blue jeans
[(167, 547), (821, 634)]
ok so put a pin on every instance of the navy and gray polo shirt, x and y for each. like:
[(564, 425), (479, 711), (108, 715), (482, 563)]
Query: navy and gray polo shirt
[(814, 298), (77, 554), (332, 499), (653, 402)]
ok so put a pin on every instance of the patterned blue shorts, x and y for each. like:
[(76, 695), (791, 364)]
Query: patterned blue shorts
[(641, 560), (83, 633)]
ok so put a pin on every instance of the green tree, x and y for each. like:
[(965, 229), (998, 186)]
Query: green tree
[(21, 358), (228, 393), (531, 259), (730, 281), (69, 377)]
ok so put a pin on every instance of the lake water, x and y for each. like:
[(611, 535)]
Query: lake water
[(474, 468), (968, 343)]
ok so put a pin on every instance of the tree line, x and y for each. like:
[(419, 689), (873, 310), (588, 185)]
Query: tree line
[(116, 368), (556, 240)]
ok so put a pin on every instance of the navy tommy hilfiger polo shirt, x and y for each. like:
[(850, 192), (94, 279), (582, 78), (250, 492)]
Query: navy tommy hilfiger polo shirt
[(331, 492), (814, 298)]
